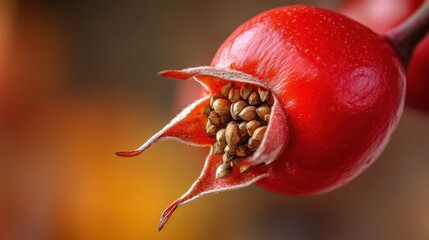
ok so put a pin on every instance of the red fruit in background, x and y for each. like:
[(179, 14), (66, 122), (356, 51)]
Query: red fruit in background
[(418, 77), (337, 95), (380, 15), (383, 15)]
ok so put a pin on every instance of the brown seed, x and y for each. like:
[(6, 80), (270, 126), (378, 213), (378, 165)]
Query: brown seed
[(253, 144), (243, 129), (225, 119), (245, 91), (248, 113), (211, 129), (221, 106), (230, 150), (220, 137), (214, 118), (232, 134), (266, 117), (218, 148), (254, 99), (207, 111), (251, 126), (264, 95), (241, 151), (262, 111), (227, 158), (214, 98), (225, 89), (236, 108), (259, 133), (234, 95), (223, 170)]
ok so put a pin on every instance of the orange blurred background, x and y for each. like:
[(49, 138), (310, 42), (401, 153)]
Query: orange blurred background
[(78, 82)]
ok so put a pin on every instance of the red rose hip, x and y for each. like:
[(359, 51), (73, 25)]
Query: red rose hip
[(313, 98)]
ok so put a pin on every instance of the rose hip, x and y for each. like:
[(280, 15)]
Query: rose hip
[(323, 95)]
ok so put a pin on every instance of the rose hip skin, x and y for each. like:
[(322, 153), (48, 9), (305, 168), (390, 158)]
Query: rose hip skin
[(383, 16), (337, 94)]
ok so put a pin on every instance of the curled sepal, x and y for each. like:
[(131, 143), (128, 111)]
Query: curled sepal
[(274, 141), (212, 78), (188, 127), (208, 183)]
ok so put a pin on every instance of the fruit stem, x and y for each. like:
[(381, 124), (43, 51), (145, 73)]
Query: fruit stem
[(405, 37)]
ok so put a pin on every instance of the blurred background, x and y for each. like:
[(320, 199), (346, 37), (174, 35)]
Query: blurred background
[(78, 81)]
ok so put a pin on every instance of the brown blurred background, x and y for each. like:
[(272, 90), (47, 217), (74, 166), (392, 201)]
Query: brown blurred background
[(78, 82)]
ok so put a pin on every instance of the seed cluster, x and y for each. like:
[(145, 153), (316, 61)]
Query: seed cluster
[(237, 118)]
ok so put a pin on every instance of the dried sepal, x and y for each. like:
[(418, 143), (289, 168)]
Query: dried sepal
[(208, 183), (188, 127), (212, 78)]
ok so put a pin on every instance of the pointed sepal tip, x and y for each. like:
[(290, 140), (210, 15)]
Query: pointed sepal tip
[(132, 153)]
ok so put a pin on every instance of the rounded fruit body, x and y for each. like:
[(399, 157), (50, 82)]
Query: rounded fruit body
[(340, 85)]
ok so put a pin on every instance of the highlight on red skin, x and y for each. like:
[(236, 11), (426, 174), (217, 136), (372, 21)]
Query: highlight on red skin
[(381, 16), (338, 93)]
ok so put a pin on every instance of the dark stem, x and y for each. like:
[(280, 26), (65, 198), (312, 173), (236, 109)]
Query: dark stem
[(405, 37)]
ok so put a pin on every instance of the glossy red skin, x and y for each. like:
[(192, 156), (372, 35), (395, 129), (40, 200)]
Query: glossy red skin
[(386, 16), (340, 85)]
